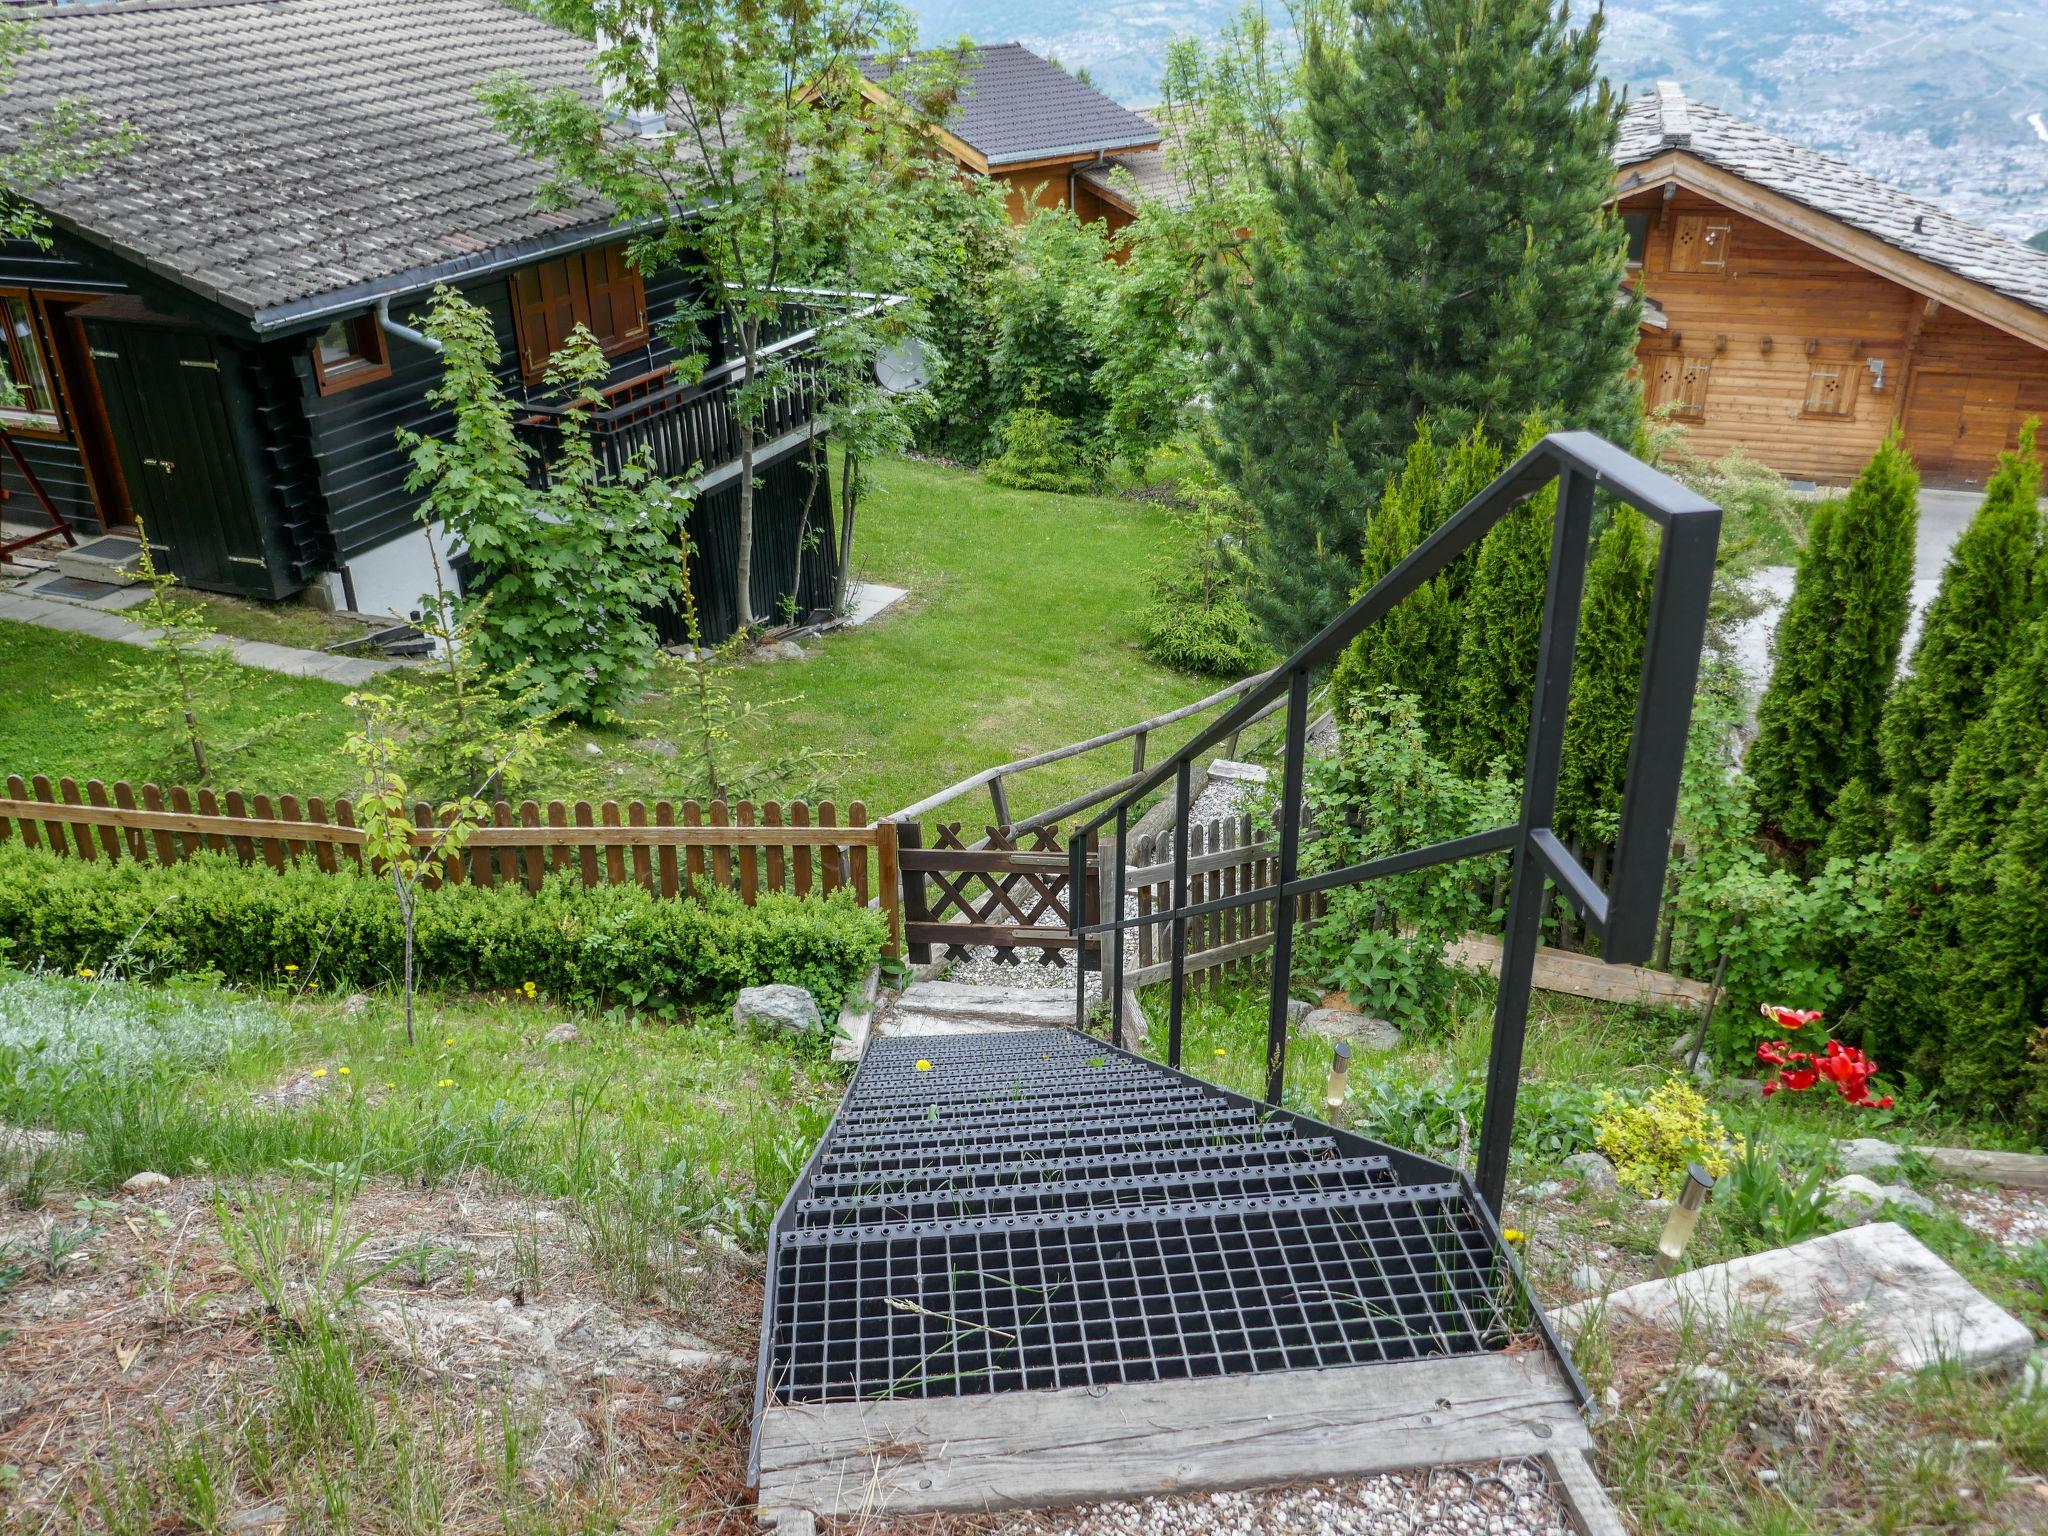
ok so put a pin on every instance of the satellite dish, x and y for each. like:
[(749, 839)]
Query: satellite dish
[(902, 369)]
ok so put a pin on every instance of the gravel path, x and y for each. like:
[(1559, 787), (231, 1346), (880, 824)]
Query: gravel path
[(2012, 1218), (1219, 797), (1503, 1499)]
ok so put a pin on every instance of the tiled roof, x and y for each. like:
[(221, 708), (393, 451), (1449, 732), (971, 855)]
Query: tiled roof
[(1016, 106), (1666, 120), (1151, 177), (299, 148)]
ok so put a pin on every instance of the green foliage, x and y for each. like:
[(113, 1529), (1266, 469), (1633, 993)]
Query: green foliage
[(1382, 792), (1414, 650), (1049, 302), (1600, 716), (569, 571), (598, 944), (1443, 247), (1040, 454), (1763, 1206), (167, 696), (1997, 1004), (1859, 822), (1651, 1143), (1967, 633), (1196, 619), (1836, 651), (964, 255), (1502, 627)]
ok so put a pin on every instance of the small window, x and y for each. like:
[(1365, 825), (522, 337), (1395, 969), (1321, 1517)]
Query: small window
[(1700, 242), (1638, 227), (350, 352), (1831, 389), (1680, 384), (26, 398)]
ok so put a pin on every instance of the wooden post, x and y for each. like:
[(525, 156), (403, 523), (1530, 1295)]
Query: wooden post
[(910, 834), (889, 875)]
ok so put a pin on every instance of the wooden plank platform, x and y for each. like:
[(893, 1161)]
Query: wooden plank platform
[(1562, 970), (1026, 1449)]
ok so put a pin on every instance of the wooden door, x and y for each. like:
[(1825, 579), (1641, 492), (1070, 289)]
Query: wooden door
[(86, 406), (1959, 423), (180, 456)]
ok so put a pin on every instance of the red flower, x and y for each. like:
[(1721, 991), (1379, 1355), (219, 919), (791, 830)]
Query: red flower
[(1883, 1103), (1789, 1018), (1772, 1053), (1799, 1080), (1769, 1089)]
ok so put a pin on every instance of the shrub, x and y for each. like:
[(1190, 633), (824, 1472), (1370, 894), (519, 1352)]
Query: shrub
[(1650, 1143), (1836, 651), (1039, 454), (1216, 637), (588, 944), (1600, 717), (67, 1024)]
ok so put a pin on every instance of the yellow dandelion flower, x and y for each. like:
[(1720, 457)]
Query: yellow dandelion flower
[(341, 1071), (449, 1041), (1221, 1052), (1514, 1235), (924, 1066), (85, 973), (391, 1085), (446, 1082), (290, 968), (319, 1071)]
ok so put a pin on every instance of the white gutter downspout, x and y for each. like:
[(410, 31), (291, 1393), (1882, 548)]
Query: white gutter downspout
[(391, 327)]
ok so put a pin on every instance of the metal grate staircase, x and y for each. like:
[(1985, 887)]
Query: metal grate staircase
[(1036, 1210)]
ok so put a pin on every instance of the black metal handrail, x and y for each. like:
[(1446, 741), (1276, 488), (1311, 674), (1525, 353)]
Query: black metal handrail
[(1624, 915)]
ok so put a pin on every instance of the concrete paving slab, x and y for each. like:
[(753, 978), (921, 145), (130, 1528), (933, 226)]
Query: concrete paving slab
[(1878, 1280), (870, 599), (286, 660)]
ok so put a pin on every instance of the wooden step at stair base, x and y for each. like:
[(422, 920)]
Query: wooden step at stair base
[(960, 1008)]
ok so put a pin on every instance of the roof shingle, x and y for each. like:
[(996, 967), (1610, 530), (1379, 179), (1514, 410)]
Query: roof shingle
[(1668, 121), (1015, 106), (297, 148)]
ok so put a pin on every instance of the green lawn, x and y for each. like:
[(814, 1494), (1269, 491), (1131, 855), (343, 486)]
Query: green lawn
[(1019, 635)]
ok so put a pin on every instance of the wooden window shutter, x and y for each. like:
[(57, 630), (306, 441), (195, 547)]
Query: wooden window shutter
[(1692, 386), (1678, 382), (1700, 242), (618, 299), (1831, 389), (547, 301)]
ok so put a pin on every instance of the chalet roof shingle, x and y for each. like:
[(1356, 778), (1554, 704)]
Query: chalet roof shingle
[(1667, 120), (294, 150), (1151, 175), (1015, 106)]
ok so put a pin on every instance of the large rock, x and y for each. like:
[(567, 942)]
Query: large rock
[(1361, 1029), (787, 1008), (1879, 1280), (1856, 1197), (1867, 1154), (1593, 1170)]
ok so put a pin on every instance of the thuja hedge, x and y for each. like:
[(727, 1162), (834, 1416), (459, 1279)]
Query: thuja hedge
[(593, 945)]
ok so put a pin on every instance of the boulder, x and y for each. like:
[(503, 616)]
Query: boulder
[(145, 1182), (784, 1007), (1856, 1197), (1593, 1170), (1362, 1030), (1866, 1154), (563, 1034), (1298, 1010)]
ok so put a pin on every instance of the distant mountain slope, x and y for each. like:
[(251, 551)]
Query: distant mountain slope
[(1947, 98)]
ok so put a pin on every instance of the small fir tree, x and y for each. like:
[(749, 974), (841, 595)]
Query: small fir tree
[(1836, 651), (1414, 649), (1969, 630), (1501, 633), (1039, 454), (1443, 246), (170, 695), (1600, 717)]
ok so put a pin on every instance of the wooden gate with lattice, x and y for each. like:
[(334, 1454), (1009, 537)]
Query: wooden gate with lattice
[(996, 894)]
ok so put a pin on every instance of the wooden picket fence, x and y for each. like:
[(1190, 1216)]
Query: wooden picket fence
[(1225, 857), (668, 848)]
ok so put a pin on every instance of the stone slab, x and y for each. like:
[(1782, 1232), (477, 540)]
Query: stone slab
[(1879, 1280), (869, 600), (2014, 1170)]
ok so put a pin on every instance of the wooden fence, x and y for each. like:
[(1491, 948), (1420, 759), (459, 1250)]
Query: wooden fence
[(667, 848)]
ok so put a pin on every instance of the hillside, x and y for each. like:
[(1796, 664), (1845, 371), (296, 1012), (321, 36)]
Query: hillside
[(1948, 98)]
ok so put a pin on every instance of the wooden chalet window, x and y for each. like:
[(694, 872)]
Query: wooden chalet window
[(1638, 227), (1700, 241), (350, 352), (596, 288), (1831, 389), (1680, 383), (27, 399)]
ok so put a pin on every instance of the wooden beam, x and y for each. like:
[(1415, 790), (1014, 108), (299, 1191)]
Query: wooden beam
[(1014, 1450), (1832, 235)]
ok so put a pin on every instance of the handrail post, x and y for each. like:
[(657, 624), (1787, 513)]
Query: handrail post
[(1179, 939), (1284, 903), (1077, 916), (1540, 768), (1116, 930)]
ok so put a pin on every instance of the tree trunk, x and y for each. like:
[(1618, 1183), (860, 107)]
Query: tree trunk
[(750, 335), (400, 885), (849, 498)]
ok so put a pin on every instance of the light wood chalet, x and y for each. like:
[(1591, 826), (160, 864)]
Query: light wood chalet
[(1796, 308)]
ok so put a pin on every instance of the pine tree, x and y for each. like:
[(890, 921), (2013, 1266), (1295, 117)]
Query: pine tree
[(1501, 628), (1969, 629), (1836, 650), (1414, 650), (1442, 248), (1600, 719)]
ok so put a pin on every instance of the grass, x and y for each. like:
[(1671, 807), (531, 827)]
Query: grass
[(288, 623), (1018, 636)]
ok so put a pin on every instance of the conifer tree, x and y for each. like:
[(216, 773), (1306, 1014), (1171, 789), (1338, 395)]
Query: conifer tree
[(1442, 247), (1997, 1002), (1970, 628), (1414, 650), (1836, 650), (1600, 718), (1501, 628)]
